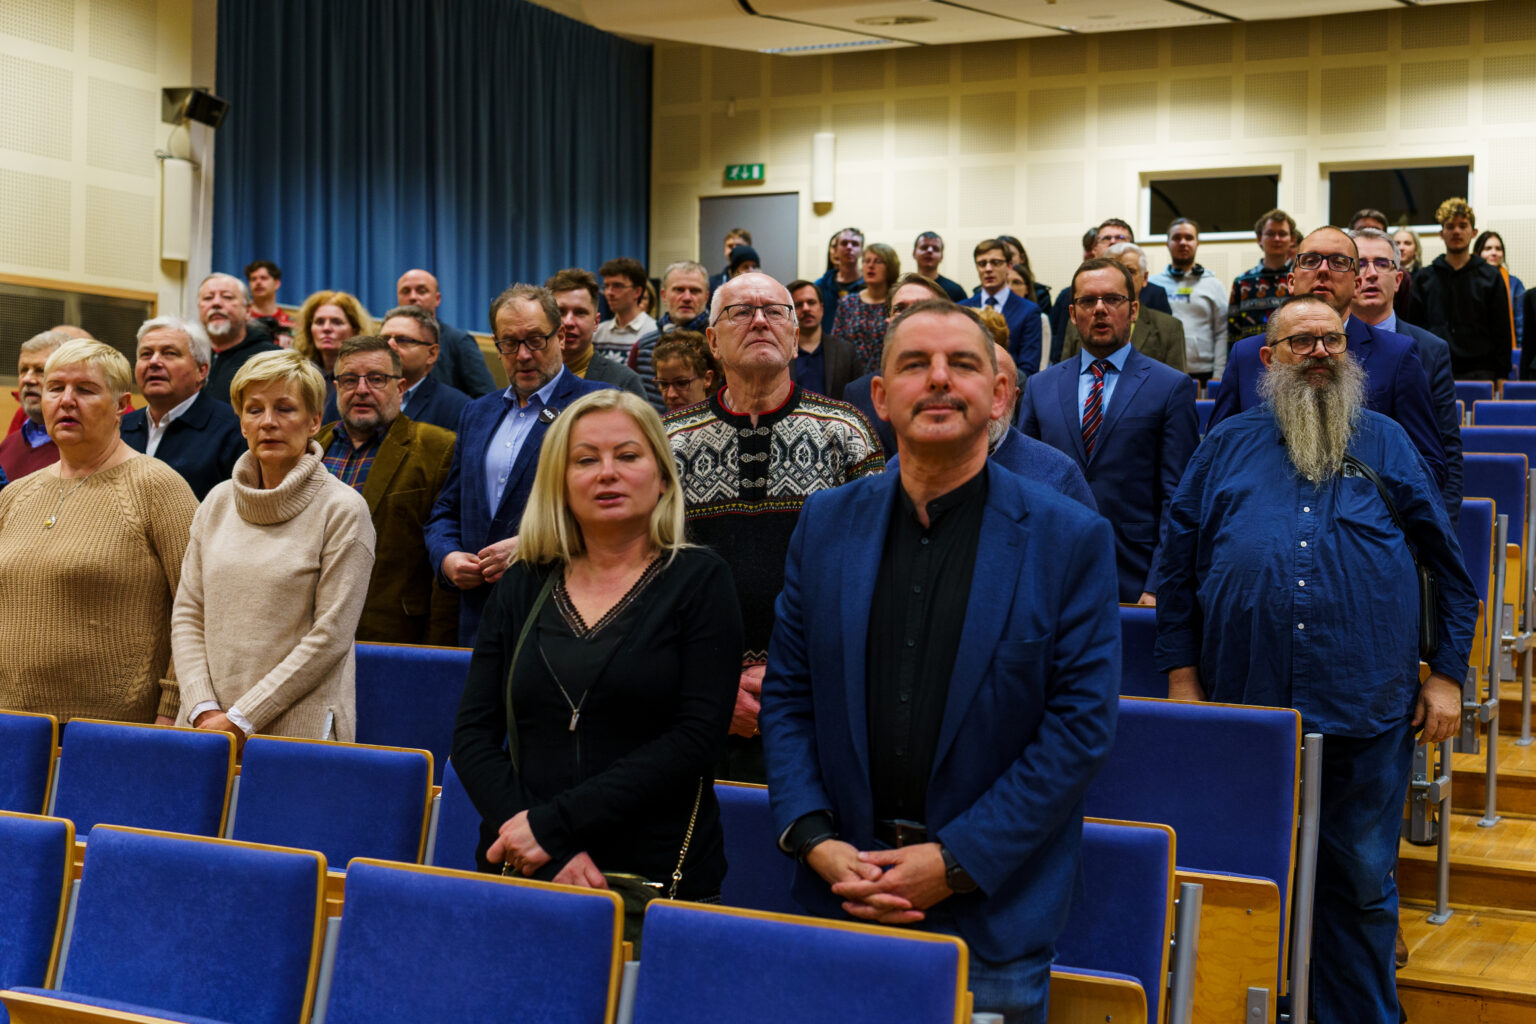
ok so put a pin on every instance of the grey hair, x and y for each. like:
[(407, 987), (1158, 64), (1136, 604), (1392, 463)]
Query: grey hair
[(46, 340), (421, 316), (1380, 236), (245, 292), (682, 265), (197, 338), (1124, 247)]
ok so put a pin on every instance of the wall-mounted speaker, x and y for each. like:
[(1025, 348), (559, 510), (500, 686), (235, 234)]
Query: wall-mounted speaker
[(178, 106)]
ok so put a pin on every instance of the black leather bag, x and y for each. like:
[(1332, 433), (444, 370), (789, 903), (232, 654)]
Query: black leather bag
[(1429, 585)]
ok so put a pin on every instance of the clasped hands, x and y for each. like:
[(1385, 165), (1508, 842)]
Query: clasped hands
[(883, 886), (218, 721), (467, 571), (516, 845)]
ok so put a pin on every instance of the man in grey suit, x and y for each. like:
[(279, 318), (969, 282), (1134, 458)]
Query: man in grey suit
[(460, 363), (1376, 287), (1154, 334), (575, 293)]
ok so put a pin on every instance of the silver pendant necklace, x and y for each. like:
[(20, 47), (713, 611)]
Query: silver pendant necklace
[(49, 520)]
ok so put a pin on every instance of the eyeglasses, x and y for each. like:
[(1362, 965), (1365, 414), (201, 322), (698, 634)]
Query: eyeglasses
[(405, 339), (534, 343), (1381, 263), (1305, 344), (1088, 303), (988, 264), (376, 381), (1335, 260), (680, 384), (873, 261), (742, 313)]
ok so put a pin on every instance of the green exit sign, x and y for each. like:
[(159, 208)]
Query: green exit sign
[(744, 172)]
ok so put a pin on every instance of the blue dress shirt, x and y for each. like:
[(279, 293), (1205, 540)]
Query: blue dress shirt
[(35, 434), (516, 423), (1085, 376)]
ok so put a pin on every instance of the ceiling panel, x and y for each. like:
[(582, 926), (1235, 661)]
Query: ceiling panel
[(917, 21)]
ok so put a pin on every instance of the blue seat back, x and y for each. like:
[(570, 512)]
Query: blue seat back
[(1504, 414), (759, 876), (1203, 409), (174, 780), (1139, 676), (1501, 477), (1514, 363), (1213, 389), (36, 855), (1514, 440), (1474, 531), (342, 799), (458, 825), (791, 969), (1520, 390), (1121, 921), (1471, 391), (197, 926), (1223, 777), (421, 944), (27, 746), (408, 696)]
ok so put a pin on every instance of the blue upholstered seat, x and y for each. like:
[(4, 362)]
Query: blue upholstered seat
[(35, 861), (425, 944), (458, 825), (1514, 363), (1122, 921), (1213, 388), (1474, 531), (344, 799), (200, 927), (1203, 409), (791, 969), (27, 747), (1471, 391), (1520, 390), (408, 696), (1504, 413), (1139, 676), (1500, 476), (759, 876), (144, 776)]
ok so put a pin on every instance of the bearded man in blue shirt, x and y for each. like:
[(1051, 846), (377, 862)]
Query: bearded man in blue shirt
[(1286, 583)]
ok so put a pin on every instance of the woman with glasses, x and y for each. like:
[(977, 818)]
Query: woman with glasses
[(276, 573), (861, 316), (686, 371)]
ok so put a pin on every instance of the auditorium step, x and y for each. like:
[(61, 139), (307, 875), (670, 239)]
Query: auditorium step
[(1517, 779), (1490, 867), (1509, 711), (1480, 966)]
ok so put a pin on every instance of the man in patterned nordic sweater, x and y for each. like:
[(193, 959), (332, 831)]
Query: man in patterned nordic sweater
[(748, 457)]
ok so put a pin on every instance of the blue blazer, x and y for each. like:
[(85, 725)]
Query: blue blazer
[(202, 444), (1395, 386), (1147, 437), (1036, 462), (462, 519), (1029, 717), (1024, 319), (1435, 354), (857, 395), (437, 403), (460, 364)]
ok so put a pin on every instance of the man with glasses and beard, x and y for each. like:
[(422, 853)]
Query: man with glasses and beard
[(1285, 581)]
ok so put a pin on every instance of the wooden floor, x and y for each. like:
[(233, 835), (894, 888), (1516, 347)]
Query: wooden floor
[(1477, 968)]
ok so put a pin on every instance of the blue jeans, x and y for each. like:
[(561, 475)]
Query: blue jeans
[(1354, 979), (1017, 989)]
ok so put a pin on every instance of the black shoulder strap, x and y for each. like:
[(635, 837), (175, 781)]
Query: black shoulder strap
[(517, 652), (1381, 488)]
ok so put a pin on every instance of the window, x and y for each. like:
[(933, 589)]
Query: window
[(1220, 204), (1407, 195), (28, 307)]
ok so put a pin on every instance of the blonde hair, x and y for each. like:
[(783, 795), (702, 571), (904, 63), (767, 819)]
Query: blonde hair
[(356, 315), (112, 364), (549, 532), (286, 366)]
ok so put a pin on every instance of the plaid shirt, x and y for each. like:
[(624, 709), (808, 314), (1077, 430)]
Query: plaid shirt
[(348, 464)]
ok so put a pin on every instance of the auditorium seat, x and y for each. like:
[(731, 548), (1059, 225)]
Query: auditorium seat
[(344, 799), (759, 875), (422, 944), (1505, 413), (1514, 363), (458, 825), (188, 928), (407, 697), (1503, 477), (704, 965), (144, 776), (1475, 533), (36, 871), (28, 745), (1203, 409), (1519, 390), (1471, 391), (1212, 389), (1139, 676)]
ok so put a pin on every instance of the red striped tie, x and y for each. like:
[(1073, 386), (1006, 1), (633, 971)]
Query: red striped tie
[(1093, 409)]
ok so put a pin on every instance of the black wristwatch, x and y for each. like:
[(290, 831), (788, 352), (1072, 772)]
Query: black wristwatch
[(955, 876)]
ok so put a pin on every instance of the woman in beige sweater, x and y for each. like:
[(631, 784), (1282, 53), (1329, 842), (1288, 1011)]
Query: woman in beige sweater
[(92, 549), (275, 573)]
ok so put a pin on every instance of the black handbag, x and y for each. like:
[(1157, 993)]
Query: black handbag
[(1429, 585)]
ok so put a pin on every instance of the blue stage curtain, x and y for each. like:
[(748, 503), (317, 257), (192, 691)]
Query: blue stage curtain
[(488, 141)]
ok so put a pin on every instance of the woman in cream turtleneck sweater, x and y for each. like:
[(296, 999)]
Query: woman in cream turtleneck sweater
[(275, 573)]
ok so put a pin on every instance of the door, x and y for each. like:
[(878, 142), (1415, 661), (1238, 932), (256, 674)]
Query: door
[(773, 220)]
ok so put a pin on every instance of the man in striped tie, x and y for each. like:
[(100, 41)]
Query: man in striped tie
[(1128, 420)]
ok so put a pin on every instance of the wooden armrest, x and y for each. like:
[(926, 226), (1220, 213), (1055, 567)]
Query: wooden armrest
[(1240, 946), (26, 1008), (335, 892), (1086, 999)]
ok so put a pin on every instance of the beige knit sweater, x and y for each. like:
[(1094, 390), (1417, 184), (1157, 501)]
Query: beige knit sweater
[(271, 591), (85, 606)]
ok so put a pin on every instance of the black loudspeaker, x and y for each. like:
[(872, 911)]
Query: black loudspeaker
[(192, 104)]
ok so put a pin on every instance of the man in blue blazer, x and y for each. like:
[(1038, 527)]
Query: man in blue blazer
[(1023, 316), (459, 363), (1395, 382), (470, 535), (941, 682), (413, 333), (1126, 419), (182, 425)]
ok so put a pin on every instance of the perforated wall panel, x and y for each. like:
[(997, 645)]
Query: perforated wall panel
[(795, 76), (1063, 55), (922, 126), (49, 22), (922, 65), (38, 102), (987, 122), (676, 142), (986, 196), (123, 32), (989, 62), (789, 133), (1434, 94), (35, 221), (1128, 114), (1056, 118), (735, 140), (1128, 51), (120, 234), (922, 200), (861, 198), (1445, 25), (678, 70), (1055, 193), (1508, 20), (1276, 40), (1508, 84), (1275, 104), (120, 127), (1200, 109), (1355, 33), (1203, 44), (857, 71), (1357, 99), (736, 76), (1511, 182)]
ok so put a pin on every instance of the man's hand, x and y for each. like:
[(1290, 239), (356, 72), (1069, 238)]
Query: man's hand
[(218, 721), (1184, 684), (749, 696), (913, 880), (164, 720), (580, 870), (1438, 709), (515, 844), (462, 569), (1147, 599), (496, 559)]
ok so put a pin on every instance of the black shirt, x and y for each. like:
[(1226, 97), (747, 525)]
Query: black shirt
[(228, 362), (915, 621)]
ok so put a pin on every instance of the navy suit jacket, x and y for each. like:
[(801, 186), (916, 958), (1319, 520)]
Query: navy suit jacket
[(437, 403), (857, 395), (1148, 434), (1029, 715), (1395, 386), (1435, 353), (1024, 319), (202, 444), (1036, 462), (460, 364), (462, 519)]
